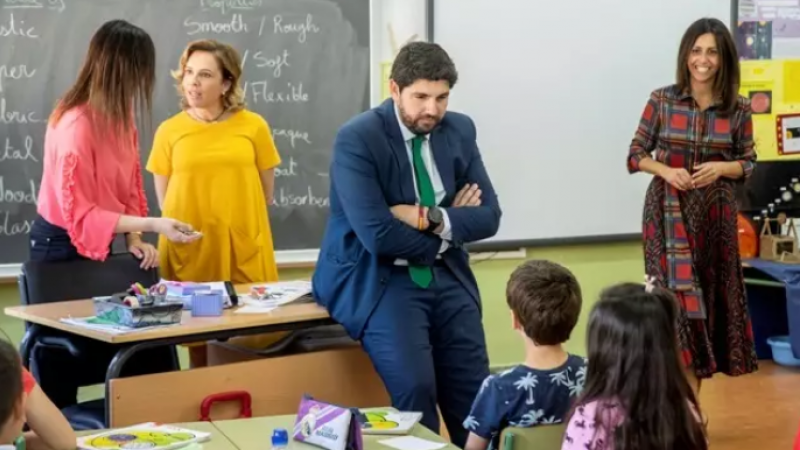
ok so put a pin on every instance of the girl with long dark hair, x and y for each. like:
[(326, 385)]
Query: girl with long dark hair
[(636, 396)]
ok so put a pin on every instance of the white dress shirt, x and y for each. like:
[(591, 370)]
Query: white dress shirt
[(436, 180)]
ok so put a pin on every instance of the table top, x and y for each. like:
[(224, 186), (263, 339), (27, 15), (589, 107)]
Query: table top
[(255, 434), (49, 314)]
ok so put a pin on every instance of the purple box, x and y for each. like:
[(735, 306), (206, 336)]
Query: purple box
[(207, 304), (191, 290)]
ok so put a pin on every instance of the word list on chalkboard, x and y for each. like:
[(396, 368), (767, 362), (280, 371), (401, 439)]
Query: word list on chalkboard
[(306, 71)]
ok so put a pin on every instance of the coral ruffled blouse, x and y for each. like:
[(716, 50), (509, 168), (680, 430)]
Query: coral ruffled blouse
[(89, 180)]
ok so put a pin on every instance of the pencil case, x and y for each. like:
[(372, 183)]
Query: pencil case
[(327, 426)]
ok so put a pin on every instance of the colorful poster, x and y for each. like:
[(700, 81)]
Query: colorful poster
[(791, 81), (759, 86), (789, 134), (768, 29), (767, 37)]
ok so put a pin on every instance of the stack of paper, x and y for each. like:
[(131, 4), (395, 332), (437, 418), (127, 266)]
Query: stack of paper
[(388, 421), (106, 326), (264, 298)]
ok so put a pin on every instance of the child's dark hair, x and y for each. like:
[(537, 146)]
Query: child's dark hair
[(546, 299), (634, 361), (10, 380)]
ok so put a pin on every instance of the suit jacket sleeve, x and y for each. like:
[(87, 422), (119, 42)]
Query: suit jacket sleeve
[(471, 224), (354, 175)]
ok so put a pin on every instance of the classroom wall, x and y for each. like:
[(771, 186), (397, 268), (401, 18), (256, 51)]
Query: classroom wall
[(595, 266)]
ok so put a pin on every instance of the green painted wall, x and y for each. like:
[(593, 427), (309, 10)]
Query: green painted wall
[(595, 266)]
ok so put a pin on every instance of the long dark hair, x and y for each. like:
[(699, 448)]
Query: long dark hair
[(118, 74), (634, 362), (727, 78)]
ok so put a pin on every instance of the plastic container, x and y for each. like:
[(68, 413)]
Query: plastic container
[(137, 317), (782, 351), (280, 439), (207, 304)]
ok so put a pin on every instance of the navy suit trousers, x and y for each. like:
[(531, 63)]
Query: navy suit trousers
[(429, 348)]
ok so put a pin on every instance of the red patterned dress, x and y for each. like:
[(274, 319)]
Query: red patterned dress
[(690, 237)]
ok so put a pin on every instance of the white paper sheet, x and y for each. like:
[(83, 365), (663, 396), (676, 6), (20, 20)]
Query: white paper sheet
[(412, 443)]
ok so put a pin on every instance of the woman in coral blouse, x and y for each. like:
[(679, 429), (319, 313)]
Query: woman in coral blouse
[(91, 183), (213, 165)]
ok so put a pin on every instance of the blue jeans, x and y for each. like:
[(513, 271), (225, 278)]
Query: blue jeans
[(49, 243)]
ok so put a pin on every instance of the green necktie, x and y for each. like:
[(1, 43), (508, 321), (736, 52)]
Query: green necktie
[(421, 275)]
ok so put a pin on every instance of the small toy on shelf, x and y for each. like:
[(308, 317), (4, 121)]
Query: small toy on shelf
[(776, 246)]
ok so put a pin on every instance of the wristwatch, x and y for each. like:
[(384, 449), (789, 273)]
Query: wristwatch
[(435, 218)]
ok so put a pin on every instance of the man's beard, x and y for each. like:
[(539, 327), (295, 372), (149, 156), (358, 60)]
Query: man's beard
[(414, 125)]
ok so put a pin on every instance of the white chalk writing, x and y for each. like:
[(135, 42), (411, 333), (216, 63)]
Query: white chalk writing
[(235, 25), (260, 92), (285, 198), (14, 117), (54, 5), (291, 135), (229, 5), (287, 168), (301, 29), (18, 196), (14, 28), (15, 73), (276, 63), (11, 153), (13, 228)]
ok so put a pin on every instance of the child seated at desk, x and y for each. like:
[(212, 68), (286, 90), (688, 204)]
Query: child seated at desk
[(545, 302), (637, 395), (22, 400)]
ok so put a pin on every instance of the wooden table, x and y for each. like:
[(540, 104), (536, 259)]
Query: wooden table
[(192, 329), (50, 315), (256, 433)]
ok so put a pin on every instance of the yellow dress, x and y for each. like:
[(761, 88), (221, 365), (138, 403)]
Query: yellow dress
[(215, 185)]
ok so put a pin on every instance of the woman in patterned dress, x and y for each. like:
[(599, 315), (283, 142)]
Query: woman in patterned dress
[(696, 137)]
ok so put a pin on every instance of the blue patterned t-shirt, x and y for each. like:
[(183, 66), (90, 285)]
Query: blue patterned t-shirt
[(524, 397)]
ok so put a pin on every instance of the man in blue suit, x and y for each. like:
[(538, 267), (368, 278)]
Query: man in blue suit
[(408, 190)]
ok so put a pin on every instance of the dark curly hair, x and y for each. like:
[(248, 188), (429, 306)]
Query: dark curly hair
[(423, 61)]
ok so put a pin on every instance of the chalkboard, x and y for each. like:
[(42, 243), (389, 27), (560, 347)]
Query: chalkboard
[(306, 71)]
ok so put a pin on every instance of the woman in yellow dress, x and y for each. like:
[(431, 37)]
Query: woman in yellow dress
[(213, 165)]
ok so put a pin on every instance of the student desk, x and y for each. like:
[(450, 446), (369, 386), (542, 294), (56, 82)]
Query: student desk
[(256, 434), (192, 329)]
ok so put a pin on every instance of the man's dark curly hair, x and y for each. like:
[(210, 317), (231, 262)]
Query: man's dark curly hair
[(423, 61)]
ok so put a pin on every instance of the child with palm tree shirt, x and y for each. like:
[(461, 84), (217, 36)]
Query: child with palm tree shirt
[(545, 302)]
